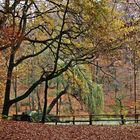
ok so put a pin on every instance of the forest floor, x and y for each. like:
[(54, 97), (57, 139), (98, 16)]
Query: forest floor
[(11, 130)]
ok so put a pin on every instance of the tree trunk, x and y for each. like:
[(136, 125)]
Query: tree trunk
[(71, 108), (33, 100), (15, 91), (38, 99), (135, 80), (45, 102), (28, 92), (6, 105), (5, 111)]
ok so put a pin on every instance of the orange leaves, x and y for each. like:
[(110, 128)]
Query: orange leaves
[(9, 36)]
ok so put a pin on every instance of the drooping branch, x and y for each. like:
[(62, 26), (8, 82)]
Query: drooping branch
[(29, 91), (55, 100)]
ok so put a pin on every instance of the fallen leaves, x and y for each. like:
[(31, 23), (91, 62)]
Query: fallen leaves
[(11, 130)]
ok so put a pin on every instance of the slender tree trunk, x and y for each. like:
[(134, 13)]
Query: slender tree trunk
[(30, 108), (15, 91), (60, 103), (71, 108), (38, 99), (33, 100), (116, 87), (32, 79), (45, 101), (57, 104), (135, 81), (7, 104), (29, 98)]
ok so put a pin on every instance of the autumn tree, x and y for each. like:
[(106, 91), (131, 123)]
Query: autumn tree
[(63, 33)]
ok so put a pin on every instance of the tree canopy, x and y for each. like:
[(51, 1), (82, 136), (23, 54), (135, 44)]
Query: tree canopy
[(46, 39)]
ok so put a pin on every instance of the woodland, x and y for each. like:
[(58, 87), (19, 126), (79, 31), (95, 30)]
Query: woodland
[(69, 57)]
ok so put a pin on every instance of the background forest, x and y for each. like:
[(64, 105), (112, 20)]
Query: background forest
[(67, 57)]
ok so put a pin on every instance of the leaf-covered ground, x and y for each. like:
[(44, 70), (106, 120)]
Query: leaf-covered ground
[(10, 130)]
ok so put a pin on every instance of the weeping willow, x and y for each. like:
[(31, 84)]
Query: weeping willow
[(94, 99), (82, 86), (89, 92)]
